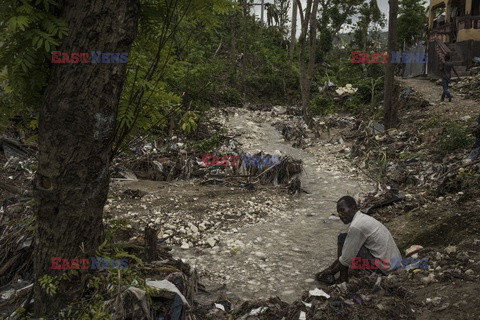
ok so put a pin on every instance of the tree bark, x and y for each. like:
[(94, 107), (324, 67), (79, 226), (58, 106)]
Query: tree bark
[(390, 117), (245, 40), (293, 34), (262, 4), (76, 127), (307, 74)]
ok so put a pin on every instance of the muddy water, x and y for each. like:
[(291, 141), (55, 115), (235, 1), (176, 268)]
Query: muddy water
[(279, 257)]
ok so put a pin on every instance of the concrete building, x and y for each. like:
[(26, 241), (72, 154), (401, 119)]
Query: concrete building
[(453, 27)]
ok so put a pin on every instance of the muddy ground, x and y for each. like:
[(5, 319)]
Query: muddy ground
[(251, 242), (267, 243)]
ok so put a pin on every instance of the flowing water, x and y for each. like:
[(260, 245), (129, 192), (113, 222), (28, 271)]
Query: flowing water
[(280, 256)]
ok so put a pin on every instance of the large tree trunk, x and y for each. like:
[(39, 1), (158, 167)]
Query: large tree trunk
[(262, 10), (307, 74), (245, 40), (76, 127), (311, 61), (389, 103), (293, 33)]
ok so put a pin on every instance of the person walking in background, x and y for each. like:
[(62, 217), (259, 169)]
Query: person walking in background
[(446, 69)]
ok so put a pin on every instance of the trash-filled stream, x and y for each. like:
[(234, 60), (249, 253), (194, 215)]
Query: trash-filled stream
[(279, 255)]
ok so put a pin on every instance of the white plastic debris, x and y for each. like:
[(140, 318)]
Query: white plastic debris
[(303, 316), (348, 89), (308, 305), (413, 249), (219, 306), (8, 294), (257, 311), (319, 293), (167, 285)]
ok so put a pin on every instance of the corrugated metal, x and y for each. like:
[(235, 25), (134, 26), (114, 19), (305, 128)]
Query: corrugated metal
[(415, 69)]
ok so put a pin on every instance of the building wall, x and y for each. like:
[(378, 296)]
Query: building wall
[(468, 34), (469, 49)]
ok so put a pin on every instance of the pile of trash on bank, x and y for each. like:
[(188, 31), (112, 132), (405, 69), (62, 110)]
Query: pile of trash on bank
[(399, 295), (174, 160), (469, 86), (409, 157)]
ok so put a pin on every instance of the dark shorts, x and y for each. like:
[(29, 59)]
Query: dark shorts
[(363, 253)]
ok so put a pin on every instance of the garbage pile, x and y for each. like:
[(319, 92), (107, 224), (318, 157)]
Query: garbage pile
[(190, 220), (415, 166), (17, 169), (258, 106), (346, 91), (171, 286), (292, 129), (176, 161), (404, 294), (165, 160), (469, 86)]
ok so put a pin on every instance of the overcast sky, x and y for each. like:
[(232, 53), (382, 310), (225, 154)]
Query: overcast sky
[(382, 4)]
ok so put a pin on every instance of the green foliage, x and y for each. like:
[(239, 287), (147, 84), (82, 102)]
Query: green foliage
[(231, 96), (467, 181), (368, 81), (49, 284), (209, 144), (455, 137), (101, 285), (189, 121), (333, 14), (370, 22), (412, 155), (169, 81), (322, 105), (377, 162), (432, 122), (29, 30), (270, 75), (412, 22)]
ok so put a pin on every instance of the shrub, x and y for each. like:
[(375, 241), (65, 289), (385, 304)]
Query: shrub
[(454, 137), (322, 105)]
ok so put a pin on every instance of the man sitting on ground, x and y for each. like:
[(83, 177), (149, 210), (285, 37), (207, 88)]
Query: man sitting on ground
[(366, 239)]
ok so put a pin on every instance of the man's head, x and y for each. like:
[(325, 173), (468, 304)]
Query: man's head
[(346, 208)]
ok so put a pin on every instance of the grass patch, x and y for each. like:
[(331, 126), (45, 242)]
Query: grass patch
[(206, 145), (322, 105), (433, 122), (455, 137), (407, 156)]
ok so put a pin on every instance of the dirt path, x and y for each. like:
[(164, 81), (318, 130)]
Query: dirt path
[(280, 255), (458, 108)]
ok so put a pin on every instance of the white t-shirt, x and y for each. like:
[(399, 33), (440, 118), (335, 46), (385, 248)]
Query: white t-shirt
[(367, 231)]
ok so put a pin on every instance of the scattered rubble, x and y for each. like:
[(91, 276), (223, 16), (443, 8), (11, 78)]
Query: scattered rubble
[(469, 86)]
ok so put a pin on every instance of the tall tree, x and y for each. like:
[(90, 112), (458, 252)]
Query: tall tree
[(282, 7), (262, 10), (245, 41), (76, 128), (369, 21), (306, 66), (390, 99), (293, 33), (412, 22), (333, 15)]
